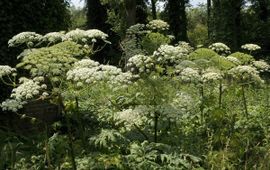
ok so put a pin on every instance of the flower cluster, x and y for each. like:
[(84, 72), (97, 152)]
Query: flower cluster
[(88, 71), (158, 25), (220, 48), (6, 70), (261, 65), (211, 76), (54, 37), (188, 75), (141, 63), (251, 47), (12, 105), (186, 46), (28, 89), (245, 73), (83, 36), (27, 38), (138, 116), (170, 54), (233, 60)]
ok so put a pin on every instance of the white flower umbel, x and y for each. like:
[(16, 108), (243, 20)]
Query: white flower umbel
[(170, 54), (88, 36), (28, 89), (12, 105), (27, 38), (251, 47), (54, 37), (6, 70), (209, 77), (220, 48), (88, 71), (261, 65), (189, 75), (245, 73), (158, 25), (233, 60), (141, 64)]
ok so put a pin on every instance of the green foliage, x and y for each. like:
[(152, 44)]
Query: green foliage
[(52, 61), (243, 58), (152, 41)]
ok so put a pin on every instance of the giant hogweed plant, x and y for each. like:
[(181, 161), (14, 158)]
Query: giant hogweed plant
[(172, 109)]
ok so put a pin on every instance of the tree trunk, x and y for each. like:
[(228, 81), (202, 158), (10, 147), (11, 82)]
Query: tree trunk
[(130, 6), (154, 9)]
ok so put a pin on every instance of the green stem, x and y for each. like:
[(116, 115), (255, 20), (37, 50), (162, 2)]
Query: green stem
[(220, 94), (80, 122), (202, 102), (47, 149), (71, 149), (244, 98), (156, 127)]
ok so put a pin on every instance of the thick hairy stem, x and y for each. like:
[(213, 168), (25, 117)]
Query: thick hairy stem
[(244, 98), (81, 127), (220, 94), (202, 102), (72, 155), (156, 127), (47, 149)]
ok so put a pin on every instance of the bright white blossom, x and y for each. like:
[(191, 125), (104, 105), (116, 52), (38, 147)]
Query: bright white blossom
[(28, 89), (28, 38), (251, 47), (91, 35), (220, 48), (233, 60), (186, 46), (245, 73), (12, 105), (54, 37), (158, 25), (261, 65), (170, 54), (211, 77), (6, 70), (141, 63), (190, 75), (88, 71)]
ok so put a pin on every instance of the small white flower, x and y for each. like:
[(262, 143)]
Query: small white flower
[(251, 47), (261, 65), (220, 48), (6, 70), (158, 25)]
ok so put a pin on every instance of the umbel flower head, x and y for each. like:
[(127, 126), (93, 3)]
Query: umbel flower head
[(211, 76), (54, 37), (189, 75), (141, 64), (88, 36), (6, 70), (25, 38), (245, 74), (28, 89), (12, 105), (158, 24), (88, 71), (261, 65), (170, 54), (220, 48), (251, 47)]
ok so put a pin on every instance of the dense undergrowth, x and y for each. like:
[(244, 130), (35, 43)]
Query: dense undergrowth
[(165, 107)]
